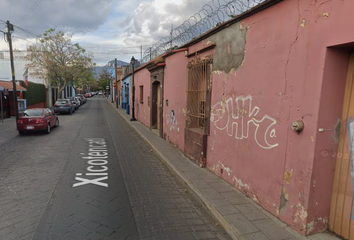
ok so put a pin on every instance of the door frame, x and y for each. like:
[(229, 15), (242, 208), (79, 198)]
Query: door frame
[(156, 79)]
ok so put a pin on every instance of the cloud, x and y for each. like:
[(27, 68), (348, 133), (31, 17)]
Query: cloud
[(38, 16), (119, 27)]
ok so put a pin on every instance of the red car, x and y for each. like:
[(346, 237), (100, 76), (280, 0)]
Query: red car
[(37, 119)]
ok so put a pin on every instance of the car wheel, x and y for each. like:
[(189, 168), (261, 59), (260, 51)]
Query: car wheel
[(57, 123), (48, 128), (71, 111), (21, 132)]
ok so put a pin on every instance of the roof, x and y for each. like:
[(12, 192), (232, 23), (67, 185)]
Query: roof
[(9, 85)]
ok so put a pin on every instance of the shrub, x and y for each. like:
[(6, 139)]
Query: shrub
[(35, 93)]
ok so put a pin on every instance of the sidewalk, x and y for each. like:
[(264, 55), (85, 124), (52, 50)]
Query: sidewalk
[(239, 215), (7, 129)]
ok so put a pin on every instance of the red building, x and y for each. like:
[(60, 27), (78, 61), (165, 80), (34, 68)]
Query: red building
[(8, 105)]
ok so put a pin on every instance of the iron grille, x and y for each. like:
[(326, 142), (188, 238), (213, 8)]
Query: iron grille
[(198, 79)]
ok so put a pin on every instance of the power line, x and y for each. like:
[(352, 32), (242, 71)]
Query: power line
[(110, 53), (26, 31), (95, 45), (31, 9)]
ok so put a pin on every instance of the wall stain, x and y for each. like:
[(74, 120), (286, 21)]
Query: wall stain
[(288, 176), (230, 48), (284, 199)]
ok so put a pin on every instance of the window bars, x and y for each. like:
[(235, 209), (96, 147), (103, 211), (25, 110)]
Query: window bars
[(197, 87)]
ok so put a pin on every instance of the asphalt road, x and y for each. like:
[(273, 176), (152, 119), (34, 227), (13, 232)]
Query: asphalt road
[(93, 177)]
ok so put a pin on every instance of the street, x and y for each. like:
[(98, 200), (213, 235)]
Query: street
[(94, 177)]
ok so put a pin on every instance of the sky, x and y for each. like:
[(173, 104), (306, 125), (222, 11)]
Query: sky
[(107, 28)]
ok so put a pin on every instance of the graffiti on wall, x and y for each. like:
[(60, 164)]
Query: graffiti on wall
[(172, 121), (173, 117), (351, 152), (236, 116)]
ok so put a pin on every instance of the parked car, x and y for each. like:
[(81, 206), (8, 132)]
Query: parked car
[(37, 119), (88, 95), (83, 99), (78, 100), (75, 101), (64, 106)]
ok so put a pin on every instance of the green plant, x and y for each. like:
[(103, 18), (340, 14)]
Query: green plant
[(35, 93)]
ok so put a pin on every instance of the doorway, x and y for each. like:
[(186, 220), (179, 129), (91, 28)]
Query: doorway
[(156, 106), (342, 211)]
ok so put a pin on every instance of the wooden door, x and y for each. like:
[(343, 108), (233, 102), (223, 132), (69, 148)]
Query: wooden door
[(158, 102), (341, 219)]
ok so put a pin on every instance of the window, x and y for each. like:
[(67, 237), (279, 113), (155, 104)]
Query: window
[(197, 92), (33, 113), (141, 94)]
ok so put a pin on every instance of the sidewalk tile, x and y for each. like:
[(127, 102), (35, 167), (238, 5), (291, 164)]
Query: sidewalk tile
[(255, 236), (251, 212), (272, 230), (212, 194), (241, 223), (227, 210)]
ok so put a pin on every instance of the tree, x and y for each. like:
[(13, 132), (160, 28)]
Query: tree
[(82, 74), (59, 61), (104, 79)]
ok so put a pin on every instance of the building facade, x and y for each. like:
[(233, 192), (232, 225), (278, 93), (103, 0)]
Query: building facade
[(266, 104)]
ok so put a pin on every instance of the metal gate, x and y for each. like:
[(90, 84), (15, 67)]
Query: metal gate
[(198, 109), (198, 82)]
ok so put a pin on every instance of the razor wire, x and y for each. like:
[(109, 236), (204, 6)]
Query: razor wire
[(209, 17)]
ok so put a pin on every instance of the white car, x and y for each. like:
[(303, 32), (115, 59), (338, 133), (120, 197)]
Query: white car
[(78, 101)]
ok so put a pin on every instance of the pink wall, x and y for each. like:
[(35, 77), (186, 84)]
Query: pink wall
[(278, 82), (174, 121), (277, 66), (142, 110)]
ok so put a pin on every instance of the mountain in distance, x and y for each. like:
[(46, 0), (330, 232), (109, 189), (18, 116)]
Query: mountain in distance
[(109, 65)]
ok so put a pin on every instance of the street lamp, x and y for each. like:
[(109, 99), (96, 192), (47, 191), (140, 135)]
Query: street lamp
[(132, 62)]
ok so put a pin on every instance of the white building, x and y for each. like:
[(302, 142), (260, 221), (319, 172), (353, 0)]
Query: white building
[(20, 67)]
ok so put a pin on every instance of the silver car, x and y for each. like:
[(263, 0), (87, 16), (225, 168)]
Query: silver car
[(75, 101)]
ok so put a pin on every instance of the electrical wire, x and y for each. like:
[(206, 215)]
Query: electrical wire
[(31, 9), (26, 31)]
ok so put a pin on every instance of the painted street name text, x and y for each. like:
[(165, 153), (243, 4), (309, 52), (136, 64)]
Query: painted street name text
[(97, 171)]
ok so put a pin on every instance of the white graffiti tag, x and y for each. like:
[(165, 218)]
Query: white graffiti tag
[(237, 121)]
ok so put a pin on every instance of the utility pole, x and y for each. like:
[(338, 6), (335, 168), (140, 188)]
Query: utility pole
[(171, 36), (115, 69), (132, 62), (10, 29)]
